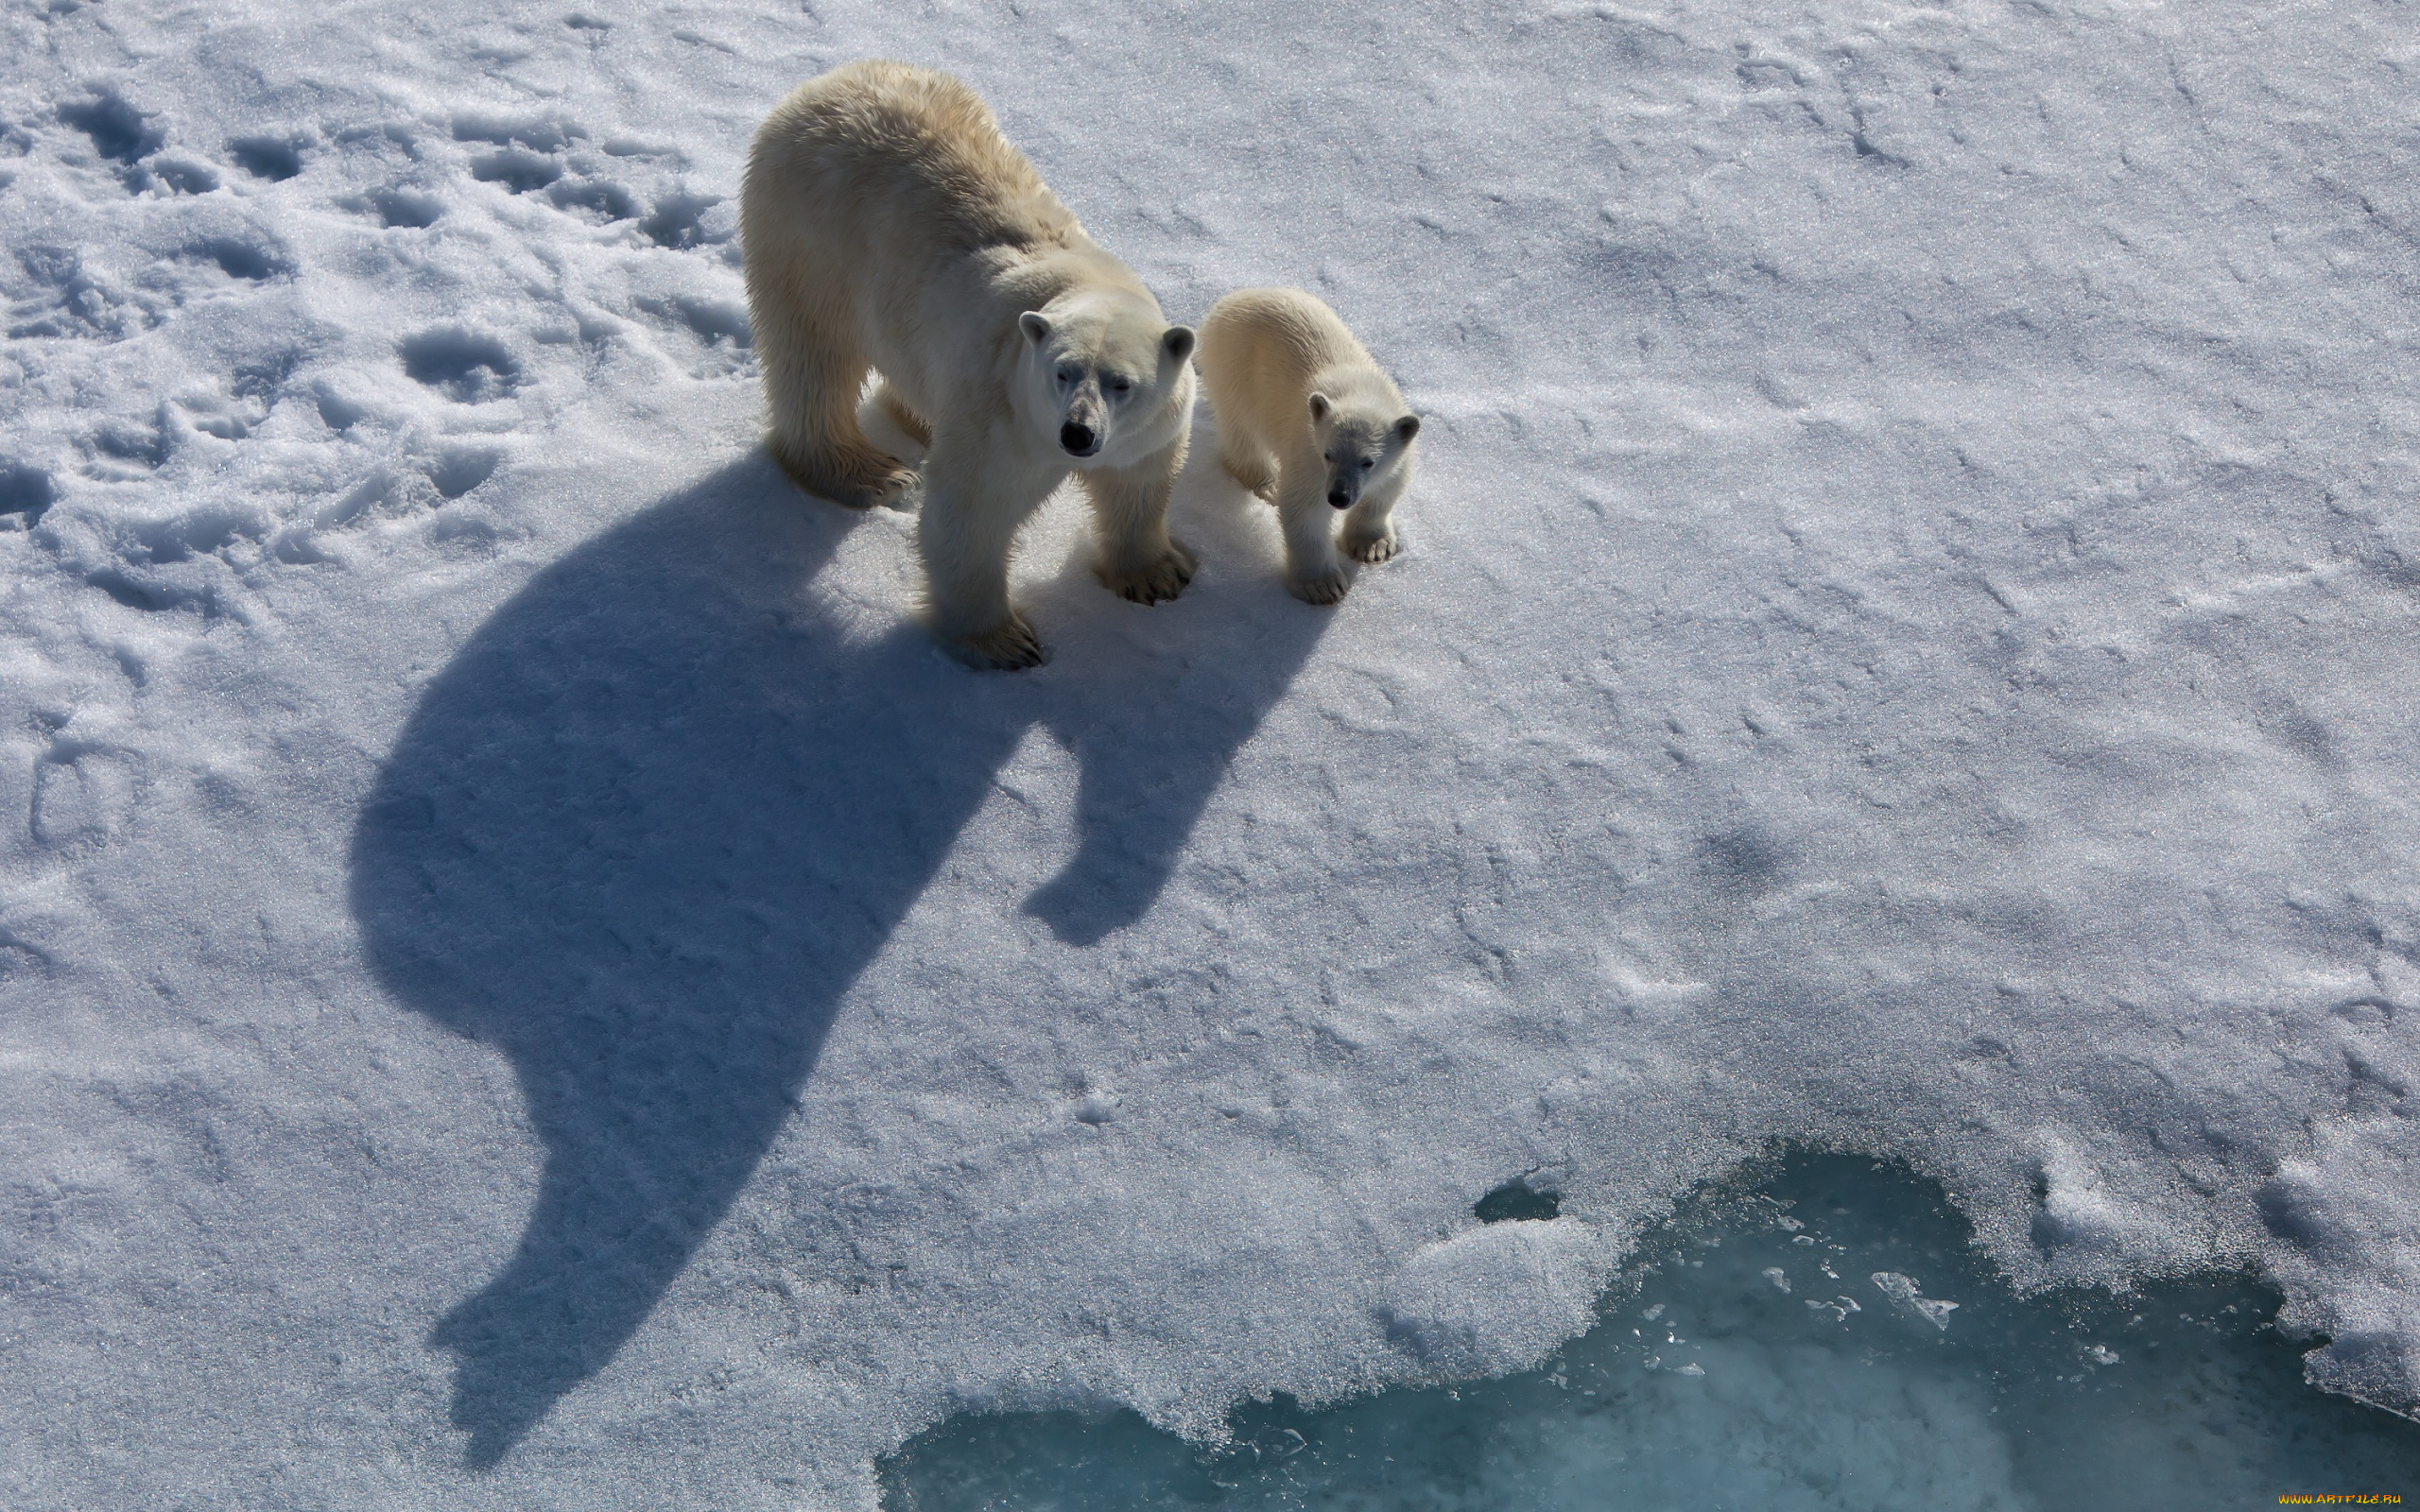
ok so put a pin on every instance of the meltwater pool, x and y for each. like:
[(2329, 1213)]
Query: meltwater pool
[(1824, 1339)]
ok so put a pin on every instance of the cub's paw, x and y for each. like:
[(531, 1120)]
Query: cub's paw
[(1369, 548), (1011, 646), (1321, 588), (1162, 580)]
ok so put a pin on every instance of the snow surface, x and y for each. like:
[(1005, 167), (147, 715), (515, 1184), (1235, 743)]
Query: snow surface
[(528, 982)]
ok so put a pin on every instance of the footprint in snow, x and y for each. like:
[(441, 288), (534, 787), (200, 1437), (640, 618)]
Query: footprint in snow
[(465, 366), (400, 206), (273, 158)]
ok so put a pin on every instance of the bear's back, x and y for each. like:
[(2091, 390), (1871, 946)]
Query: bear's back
[(889, 139)]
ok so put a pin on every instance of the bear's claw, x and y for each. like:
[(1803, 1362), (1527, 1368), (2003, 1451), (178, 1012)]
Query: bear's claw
[(1011, 646), (1162, 580)]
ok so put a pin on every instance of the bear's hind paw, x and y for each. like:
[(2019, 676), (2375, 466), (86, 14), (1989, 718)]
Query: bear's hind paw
[(905, 493), (862, 483), (899, 488), (1011, 646)]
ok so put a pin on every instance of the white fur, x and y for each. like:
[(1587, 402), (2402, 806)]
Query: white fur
[(1306, 417), (890, 227)]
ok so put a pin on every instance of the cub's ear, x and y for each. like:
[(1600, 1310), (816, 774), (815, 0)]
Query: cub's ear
[(1179, 342), (1407, 427), (1036, 327), (1319, 406)]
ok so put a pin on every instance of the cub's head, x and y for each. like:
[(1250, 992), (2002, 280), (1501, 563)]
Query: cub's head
[(1361, 439), (1107, 375)]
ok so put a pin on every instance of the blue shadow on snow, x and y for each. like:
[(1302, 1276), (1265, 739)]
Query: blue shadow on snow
[(647, 827)]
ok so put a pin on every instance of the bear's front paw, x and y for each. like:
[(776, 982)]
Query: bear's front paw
[(1011, 647), (1163, 579), (1369, 548), (1319, 588)]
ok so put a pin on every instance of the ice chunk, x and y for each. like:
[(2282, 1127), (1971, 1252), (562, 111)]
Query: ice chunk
[(1497, 1299), (1902, 1292)]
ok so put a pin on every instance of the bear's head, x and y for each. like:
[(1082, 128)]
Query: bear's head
[(1362, 435), (1110, 378)]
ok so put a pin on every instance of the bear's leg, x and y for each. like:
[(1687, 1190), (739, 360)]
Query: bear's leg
[(1138, 560), (1313, 572), (1369, 526), (812, 378), (976, 495)]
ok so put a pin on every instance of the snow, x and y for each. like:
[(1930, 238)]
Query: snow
[(525, 979)]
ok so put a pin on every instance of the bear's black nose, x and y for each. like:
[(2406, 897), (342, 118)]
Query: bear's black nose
[(1340, 498), (1078, 439)]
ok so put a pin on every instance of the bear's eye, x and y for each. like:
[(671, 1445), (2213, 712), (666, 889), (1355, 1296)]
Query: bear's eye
[(1330, 455), (1119, 386), (1368, 462), (1070, 375)]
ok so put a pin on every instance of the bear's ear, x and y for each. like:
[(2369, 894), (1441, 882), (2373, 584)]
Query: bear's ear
[(1407, 427), (1319, 405), (1179, 342), (1036, 327)]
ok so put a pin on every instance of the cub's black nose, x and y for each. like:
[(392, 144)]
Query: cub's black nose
[(1078, 439), (1340, 499)]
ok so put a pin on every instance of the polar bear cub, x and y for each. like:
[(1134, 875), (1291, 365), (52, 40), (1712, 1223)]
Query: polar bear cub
[(1307, 420), (890, 227)]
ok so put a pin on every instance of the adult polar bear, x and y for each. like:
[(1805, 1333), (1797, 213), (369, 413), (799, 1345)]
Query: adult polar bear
[(888, 225)]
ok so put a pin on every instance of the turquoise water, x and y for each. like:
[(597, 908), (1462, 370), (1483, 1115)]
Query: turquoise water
[(1707, 1385)]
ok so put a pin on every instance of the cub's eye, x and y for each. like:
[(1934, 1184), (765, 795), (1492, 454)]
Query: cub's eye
[(1368, 462), (1330, 455), (1069, 375), (1119, 386)]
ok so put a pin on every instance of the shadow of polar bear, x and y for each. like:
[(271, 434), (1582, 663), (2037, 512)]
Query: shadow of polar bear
[(645, 829)]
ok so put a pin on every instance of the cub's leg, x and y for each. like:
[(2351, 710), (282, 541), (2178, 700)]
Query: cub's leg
[(905, 418), (1251, 467), (1369, 526), (1138, 560), (1313, 572), (812, 377), (974, 502)]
